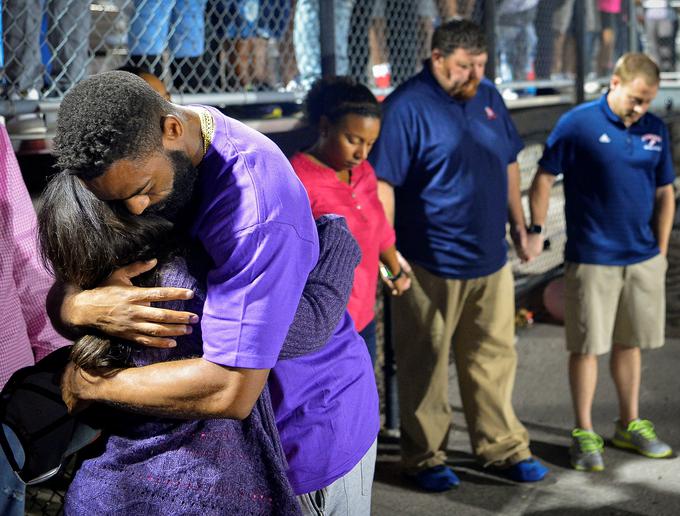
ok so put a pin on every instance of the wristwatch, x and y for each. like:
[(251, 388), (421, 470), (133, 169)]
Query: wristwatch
[(535, 229)]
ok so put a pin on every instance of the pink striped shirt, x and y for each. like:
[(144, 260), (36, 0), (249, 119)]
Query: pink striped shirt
[(26, 334)]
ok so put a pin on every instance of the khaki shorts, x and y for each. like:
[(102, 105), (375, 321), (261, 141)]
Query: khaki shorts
[(621, 304)]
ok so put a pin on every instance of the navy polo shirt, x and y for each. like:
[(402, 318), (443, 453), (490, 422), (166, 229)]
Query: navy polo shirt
[(447, 161), (611, 174)]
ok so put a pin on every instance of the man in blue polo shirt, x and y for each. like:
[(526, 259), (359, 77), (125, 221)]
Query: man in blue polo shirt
[(617, 167), (446, 154)]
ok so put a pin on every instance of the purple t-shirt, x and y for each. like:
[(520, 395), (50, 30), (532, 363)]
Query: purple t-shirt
[(255, 223)]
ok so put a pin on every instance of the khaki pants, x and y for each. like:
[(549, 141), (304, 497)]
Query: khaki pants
[(626, 304), (477, 317)]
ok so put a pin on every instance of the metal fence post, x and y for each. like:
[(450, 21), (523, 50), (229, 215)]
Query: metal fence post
[(632, 27), (327, 37), (390, 372), (580, 26), (490, 30)]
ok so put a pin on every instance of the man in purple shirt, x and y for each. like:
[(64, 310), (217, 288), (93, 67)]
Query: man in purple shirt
[(238, 198)]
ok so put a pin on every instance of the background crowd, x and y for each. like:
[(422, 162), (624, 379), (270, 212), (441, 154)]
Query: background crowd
[(215, 46)]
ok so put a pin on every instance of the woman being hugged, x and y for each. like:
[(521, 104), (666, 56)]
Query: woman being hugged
[(197, 463), (339, 179)]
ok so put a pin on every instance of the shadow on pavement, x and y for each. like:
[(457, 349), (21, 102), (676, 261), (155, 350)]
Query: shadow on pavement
[(575, 511), (550, 453)]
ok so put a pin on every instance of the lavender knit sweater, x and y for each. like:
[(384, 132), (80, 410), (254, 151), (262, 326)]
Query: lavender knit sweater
[(153, 466)]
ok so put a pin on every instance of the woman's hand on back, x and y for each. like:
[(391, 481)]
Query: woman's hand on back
[(120, 309)]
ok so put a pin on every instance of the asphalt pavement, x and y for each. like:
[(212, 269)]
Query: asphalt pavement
[(630, 485)]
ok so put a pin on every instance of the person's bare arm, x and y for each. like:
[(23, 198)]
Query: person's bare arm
[(187, 389), (518, 229), (539, 198), (386, 196), (119, 309), (664, 211)]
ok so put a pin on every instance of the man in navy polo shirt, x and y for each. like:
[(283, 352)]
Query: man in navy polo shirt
[(446, 154), (617, 167)]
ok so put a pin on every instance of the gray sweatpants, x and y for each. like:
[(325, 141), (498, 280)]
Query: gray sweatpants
[(350, 495)]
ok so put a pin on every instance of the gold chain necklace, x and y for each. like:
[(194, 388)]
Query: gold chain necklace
[(207, 129)]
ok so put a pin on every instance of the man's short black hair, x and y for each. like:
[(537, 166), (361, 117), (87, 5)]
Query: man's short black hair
[(456, 34), (107, 117)]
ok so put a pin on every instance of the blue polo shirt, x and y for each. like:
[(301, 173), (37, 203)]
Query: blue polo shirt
[(447, 161), (611, 174)]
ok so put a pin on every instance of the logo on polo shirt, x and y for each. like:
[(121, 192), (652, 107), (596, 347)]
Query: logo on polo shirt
[(652, 142), (605, 138), (490, 114)]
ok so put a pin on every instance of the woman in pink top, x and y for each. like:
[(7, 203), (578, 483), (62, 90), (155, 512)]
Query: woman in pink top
[(339, 179)]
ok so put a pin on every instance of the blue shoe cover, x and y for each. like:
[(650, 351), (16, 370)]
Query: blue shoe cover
[(438, 478), (527, 470)]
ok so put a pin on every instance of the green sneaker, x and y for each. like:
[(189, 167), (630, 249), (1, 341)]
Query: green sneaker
[(641, 437), (586, 450)]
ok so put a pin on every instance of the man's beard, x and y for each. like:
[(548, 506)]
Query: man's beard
[(467, 90), (183, 183)]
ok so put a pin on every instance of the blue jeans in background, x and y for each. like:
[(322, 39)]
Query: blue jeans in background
[(12, 490), (368, 334), (177, 26)]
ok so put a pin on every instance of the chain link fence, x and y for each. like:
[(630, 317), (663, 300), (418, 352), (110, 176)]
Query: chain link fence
[(553, 255), (390, 38), (276, 48), (195, 46)]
